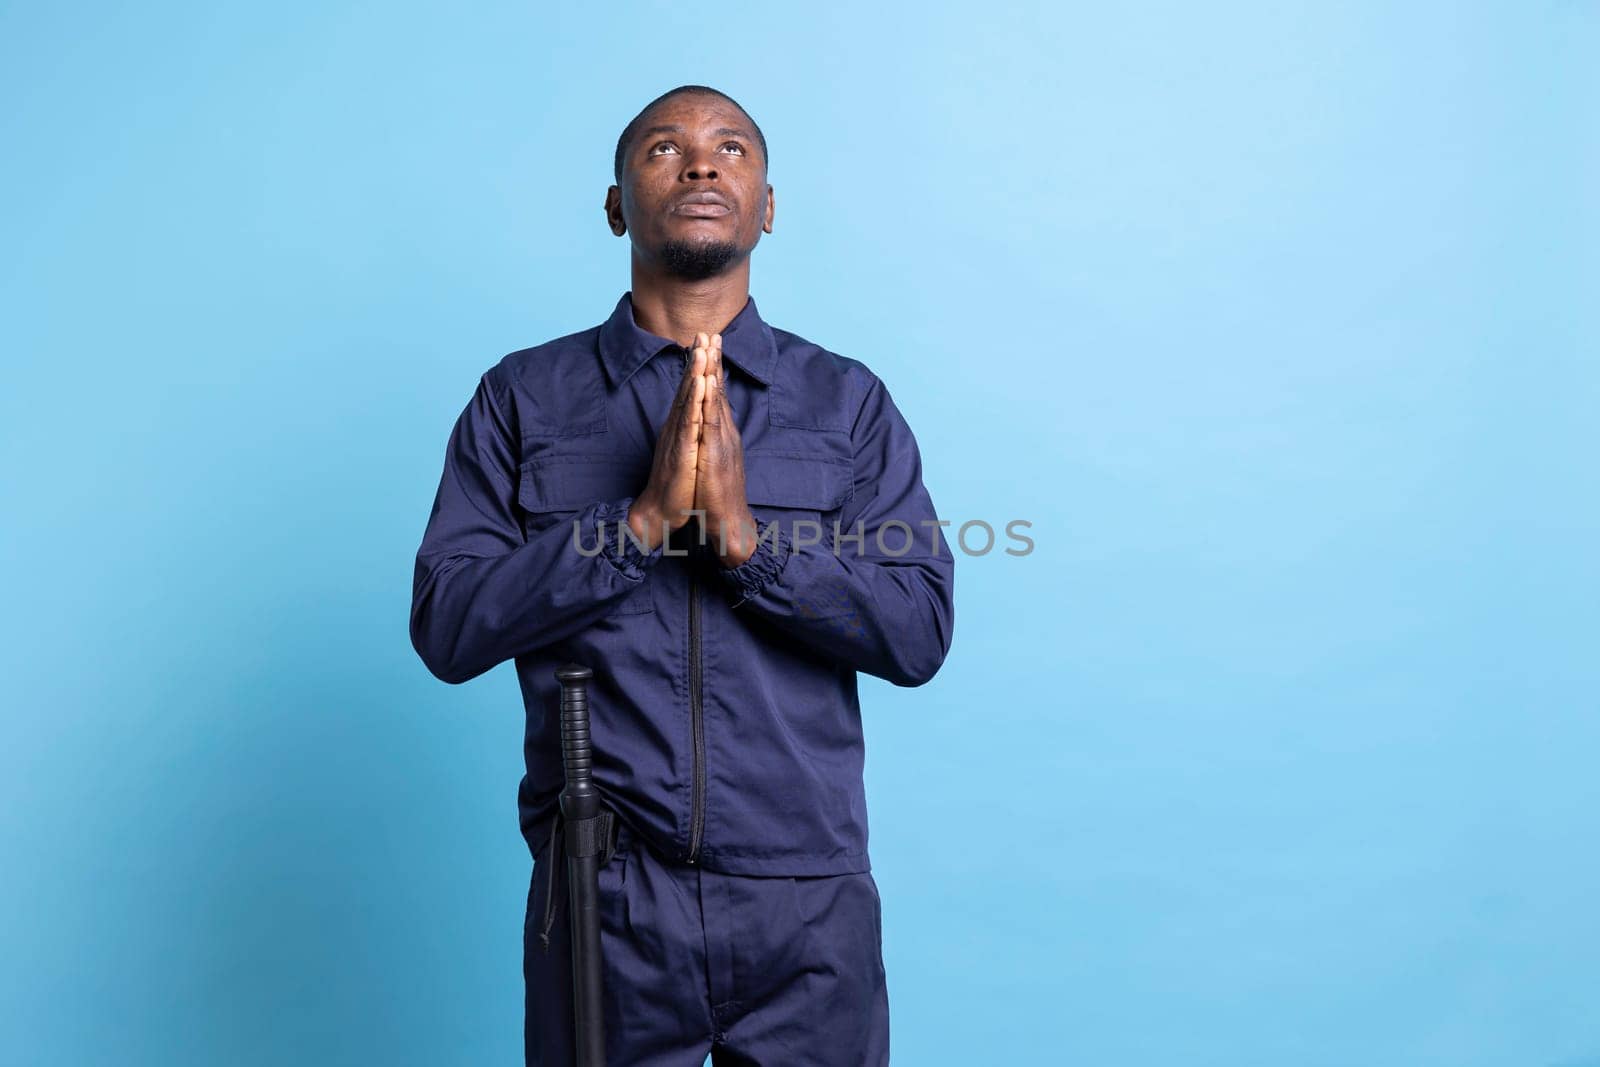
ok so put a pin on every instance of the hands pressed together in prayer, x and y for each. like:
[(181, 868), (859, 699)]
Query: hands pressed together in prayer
[(699, 464)]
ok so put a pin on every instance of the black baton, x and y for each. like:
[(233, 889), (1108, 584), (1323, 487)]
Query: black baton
[(580, 810)]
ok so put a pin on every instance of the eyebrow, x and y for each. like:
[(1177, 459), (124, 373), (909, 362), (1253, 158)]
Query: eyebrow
[(721, 131)]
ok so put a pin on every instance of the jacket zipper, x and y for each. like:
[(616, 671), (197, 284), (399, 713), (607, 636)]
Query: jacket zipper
[(697, 813)]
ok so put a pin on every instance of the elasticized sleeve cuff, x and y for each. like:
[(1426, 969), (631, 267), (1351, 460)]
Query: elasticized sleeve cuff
[(617, 543), (764, 565)]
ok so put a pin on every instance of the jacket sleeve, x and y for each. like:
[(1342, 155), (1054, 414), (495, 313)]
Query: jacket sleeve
[(881, 595), (483, 593)]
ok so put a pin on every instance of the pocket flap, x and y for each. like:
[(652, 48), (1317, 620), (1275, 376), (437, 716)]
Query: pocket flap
[(794, 480), (566, 483)]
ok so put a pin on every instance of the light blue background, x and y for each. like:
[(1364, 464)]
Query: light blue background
[(1277, 321)]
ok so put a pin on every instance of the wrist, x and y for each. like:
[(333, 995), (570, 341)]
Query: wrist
[(736, 540), (645, 520)]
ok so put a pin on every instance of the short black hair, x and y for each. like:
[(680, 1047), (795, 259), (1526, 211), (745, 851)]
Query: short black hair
[(626, 140)]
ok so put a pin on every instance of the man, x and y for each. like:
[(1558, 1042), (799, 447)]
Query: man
[(726, 523)]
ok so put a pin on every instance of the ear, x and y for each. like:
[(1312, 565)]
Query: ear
[(613, 206), (766, 223)]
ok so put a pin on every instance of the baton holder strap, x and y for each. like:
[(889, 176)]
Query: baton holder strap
[(581, 837)]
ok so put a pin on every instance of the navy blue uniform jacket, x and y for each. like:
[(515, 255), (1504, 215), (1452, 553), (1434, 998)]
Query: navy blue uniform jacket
[(724, 709)]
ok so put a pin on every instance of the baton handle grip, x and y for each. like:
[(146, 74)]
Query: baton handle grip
[(577, 751)]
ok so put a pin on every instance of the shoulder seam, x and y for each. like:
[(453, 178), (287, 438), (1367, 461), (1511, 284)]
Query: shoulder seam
[(873, 382)]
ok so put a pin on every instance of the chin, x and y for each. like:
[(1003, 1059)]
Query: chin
[(699, 256)]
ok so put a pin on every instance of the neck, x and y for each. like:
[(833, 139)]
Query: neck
[(676, 308)]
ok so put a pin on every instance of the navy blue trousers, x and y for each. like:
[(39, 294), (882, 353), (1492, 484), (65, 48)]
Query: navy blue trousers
[(754, 971)]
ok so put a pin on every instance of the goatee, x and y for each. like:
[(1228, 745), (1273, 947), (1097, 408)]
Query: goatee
[(695, 260)]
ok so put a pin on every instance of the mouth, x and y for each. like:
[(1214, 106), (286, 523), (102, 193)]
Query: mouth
[(703, 206)]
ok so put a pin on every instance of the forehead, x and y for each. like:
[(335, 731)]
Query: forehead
[(696, 112)]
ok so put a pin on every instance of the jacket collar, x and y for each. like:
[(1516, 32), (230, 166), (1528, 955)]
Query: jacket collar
[(747, 343)]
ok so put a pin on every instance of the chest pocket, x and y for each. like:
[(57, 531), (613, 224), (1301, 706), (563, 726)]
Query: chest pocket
[(797, 489), (804, 494), (554, 488)]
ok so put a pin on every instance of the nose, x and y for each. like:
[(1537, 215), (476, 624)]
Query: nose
[(699, 165)]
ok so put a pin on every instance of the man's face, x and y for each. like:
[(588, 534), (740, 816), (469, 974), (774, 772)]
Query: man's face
[(694, 191)]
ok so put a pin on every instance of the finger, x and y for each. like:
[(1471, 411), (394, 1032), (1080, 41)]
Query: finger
[(694, 368), (725, 409), (685, 385), (711, 362), (688, 424), (711, 416), (701, 366), (717, 370), (697, 410), (713, 411)]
